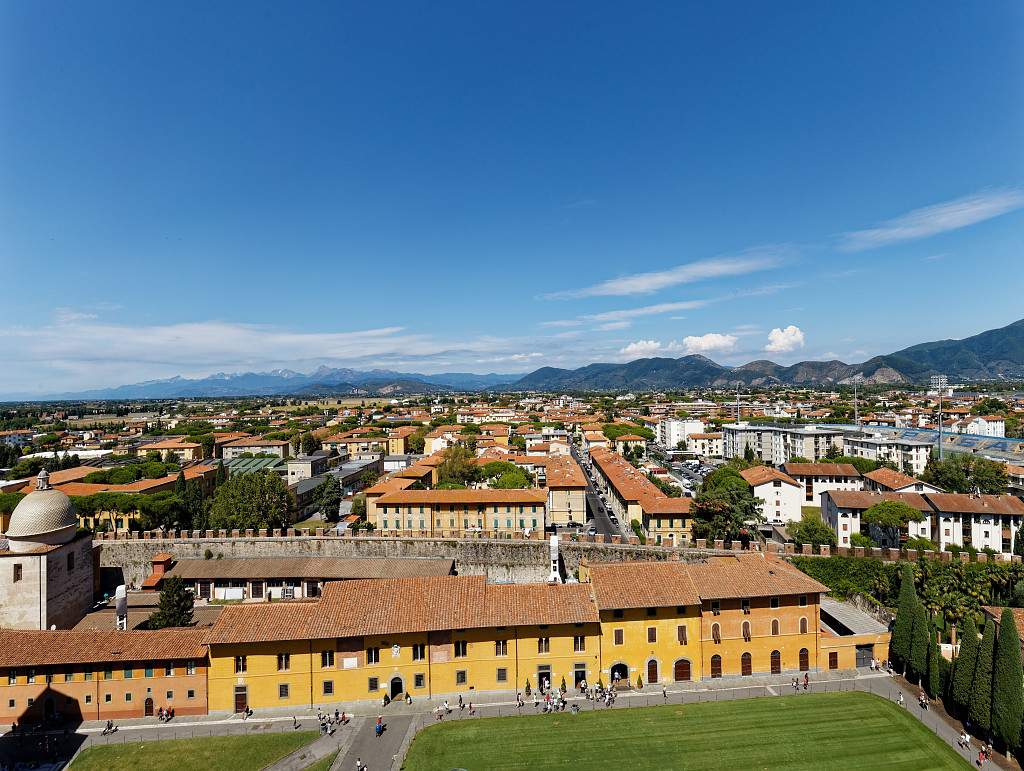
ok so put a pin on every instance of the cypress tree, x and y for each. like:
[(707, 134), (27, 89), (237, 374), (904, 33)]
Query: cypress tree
[(1007, 683), (920, 637), (963, 668), (176, 603), (933, 682), (979, 711), (179, 484), (899, 645)]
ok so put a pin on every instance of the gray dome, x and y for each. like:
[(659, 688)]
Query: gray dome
[(42, 511)]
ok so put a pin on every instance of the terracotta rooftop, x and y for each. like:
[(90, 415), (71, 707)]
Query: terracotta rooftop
[(20, 648), (759, 475), (642, 585), (864, 499), (750, 575), (886, 477), (972, 504), (820, 470), (339, 568)]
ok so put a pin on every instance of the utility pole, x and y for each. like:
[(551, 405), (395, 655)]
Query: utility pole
[(856, 406)]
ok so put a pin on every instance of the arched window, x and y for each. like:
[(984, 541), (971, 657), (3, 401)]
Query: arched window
[(716, 666), (775, 626), (776, 663), (746, 668), (716, 633), (746, 631), (803, 626), (804, 665), (682, 670)]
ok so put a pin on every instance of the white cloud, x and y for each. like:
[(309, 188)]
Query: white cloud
[(68, 315), (700, 270), (938, 218), (783, 340), (612, 325), (511, 357), (641, 348), (712, 341)]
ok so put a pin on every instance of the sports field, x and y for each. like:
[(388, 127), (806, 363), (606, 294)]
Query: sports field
[(811, 731)]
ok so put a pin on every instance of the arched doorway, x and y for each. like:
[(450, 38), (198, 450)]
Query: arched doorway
[(804, 665), (716, 666), (682, 670), (746, 667), (776, 663), (147, 708), (397, 688), (652, 672), (620, 673)]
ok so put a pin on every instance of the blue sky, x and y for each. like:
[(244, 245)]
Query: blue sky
[(192, 187)]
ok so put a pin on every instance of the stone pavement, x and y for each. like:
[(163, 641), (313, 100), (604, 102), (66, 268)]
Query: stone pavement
[(320, 748), (376, 753)]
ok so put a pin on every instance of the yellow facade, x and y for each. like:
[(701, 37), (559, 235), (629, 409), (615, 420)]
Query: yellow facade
[(639, 642), (668, 529), (452, 519)]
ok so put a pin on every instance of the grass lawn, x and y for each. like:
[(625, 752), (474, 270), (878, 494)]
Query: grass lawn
[(813, 731), (312, 524), (202, 754)]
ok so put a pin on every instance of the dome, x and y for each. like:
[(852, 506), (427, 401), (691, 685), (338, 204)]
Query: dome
[(42, 512)]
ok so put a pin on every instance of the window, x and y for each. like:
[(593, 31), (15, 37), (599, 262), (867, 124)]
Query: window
[(543, 645), (681, 634), (775, 626), (776, 663), (746, 630), (419, 680), (716, 633), (149, 671), (618, 613), (803, 600), (502, 675), (460, 677), (775, 602), (716, 607), (190, 667), (617, 636), (106, 698), (326, 659), (241, 664), (328, 688), (833, 660), (716, 666), (652, 634), (282, 690), (745, 606), (373, 655), (88, 698), (461, 649), (191, 693), (803, 626), (71, 561), (372, 684), (419, 652), (17, 572), (579, 643), (168, 670), (256, 590), (501, 647), (87, 674), (129, 673)]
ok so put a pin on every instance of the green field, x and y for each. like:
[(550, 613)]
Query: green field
[(223, 753), (324, 764), (813, 731)]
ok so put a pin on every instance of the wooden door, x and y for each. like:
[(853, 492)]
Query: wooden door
[(241, 698), (716, 666), (652, 672), (745, 665), (804, 665), (682, 670), (776, 663)]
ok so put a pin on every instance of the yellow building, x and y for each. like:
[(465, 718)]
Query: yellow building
[(449, 513)]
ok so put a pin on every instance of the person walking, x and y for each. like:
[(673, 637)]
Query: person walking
[(664, 693), (806, 680), (359, 765)]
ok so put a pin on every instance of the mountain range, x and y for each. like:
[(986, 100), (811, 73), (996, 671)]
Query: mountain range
[(992, 355)]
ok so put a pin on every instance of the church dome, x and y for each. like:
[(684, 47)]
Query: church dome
[(43, 512)]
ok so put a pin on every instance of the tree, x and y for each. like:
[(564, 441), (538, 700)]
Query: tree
[(328, 498), (222, 474), (933, 680), (414, 442), (748, 453), (309, 444), (810, 529), (722, 512), (979, 710), (963, 666), (176, 603), (208, 443), (257, 500), (920, 640), (1007, 683), (458, 465), (170, 457), (902, 631), (891, 516), (179, 485), (296, 444), (963, 473), (359, 506)]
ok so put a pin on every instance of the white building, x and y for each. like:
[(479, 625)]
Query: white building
[(672, 431), (818, 478), (781, 495), (777, 444), (842, 510), (707, 445), (908, 455)]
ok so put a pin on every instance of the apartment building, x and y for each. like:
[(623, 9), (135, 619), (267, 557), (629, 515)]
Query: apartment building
[(782, 496), (567, 491), (671, 431), (817, 478), (255, 446), (778, 444), (909, 455), (706, 445), (450, 513)]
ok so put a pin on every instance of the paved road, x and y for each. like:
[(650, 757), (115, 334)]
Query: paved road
[(375, 753), (597, 512)]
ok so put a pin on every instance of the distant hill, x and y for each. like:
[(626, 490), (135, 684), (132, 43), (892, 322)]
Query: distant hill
[(991, 355)]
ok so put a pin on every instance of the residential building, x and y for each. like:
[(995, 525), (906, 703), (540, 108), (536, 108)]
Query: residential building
[(909, 455), (706, 445), (778, 444), (817, 478), (255, 446), (782, 496), (671, 431), (885, 480), (449, 513), (567, 491)]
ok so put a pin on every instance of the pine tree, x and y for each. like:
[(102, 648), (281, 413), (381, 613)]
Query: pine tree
[(963, 669), (179, 485), (933, 682), (920, 637), (979, 711), (175, 605), (1007, 684), (899, 645), (222, 474)]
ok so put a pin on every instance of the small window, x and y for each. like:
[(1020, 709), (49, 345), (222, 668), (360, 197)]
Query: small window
[(191, 693), (12, 677), (190, 667), (803, 626), (241, 664), (579, 643), (108, 674), (461, 649), (419, 680), (745, 606), (282, 690), (716, 607), (127, 697), (149, 671), (88, 699), (169, 695), (328, 688), (716, 633), (168, 670), (501, 647), (745, 630), (775, 602), (373, 684), (543, 645), (87, 674), (502, 675), (326, 659), (803, 600), (419, 652), (460, 677), (617, 636), (833, 660), (284, 662), (129, 673), (775, 626), (373, 656), (681, 634), (17, 572), (652, 634), (106, 698)]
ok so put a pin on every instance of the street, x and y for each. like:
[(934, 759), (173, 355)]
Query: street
[(598, 515)]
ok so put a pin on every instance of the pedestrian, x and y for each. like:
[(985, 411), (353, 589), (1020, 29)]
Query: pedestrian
[(471, 710), (359, 764), (806, 680), (899, 699), (295, 723), (664, 693)]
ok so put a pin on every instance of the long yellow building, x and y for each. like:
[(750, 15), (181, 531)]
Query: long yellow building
[(635, 623)]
